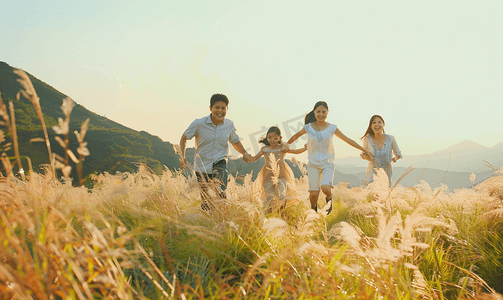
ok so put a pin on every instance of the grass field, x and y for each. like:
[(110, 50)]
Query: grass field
[(144, 236)]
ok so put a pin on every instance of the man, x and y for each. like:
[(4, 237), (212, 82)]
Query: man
[(213, 133)]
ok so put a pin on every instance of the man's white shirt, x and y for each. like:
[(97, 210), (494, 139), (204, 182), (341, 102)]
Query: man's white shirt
[(211, 141)]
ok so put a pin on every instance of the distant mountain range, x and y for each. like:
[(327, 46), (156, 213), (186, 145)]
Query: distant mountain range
[(466, 156), (452, 166)]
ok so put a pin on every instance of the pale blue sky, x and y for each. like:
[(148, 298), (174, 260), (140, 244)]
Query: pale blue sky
[(432, 69)]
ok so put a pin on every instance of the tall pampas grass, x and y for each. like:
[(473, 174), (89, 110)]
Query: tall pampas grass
[(29, 93)]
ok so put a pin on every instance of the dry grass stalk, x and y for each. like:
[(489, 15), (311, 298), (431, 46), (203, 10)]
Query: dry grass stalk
[(29, 93), (493, 186), (7, 122), (15, 141), (7, 166), (82, 149), (63, 129)]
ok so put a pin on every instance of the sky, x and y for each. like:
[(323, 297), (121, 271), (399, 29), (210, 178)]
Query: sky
[(432, 69)]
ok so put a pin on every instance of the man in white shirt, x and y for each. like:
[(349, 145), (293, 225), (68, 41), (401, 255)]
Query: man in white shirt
[(213, 133)]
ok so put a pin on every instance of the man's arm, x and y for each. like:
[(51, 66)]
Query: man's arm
[(183, 161), (241, 149)]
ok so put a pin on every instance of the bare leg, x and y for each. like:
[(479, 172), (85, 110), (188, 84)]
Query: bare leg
[(313, 198), (327, 190)]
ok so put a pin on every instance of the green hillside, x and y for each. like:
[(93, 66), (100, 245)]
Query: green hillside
[(113, 147)]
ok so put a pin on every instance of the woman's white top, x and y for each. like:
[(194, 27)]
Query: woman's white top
[(382, 157), (320, 148)]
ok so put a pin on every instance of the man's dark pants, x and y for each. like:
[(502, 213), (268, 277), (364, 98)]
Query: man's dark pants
[(216, 180)]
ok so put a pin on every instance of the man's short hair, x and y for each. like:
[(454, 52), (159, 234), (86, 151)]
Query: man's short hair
[(219, 97)]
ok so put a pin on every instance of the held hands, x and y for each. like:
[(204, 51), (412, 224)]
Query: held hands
[(366, 155), (247, 157)]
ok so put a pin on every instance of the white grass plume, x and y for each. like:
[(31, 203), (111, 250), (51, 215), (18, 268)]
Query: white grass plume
[(274, 167)]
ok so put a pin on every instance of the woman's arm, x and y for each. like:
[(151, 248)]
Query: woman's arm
[(363, 155), (396, 150), (341, 135), (298, 151), (296, 136), (286, 148)]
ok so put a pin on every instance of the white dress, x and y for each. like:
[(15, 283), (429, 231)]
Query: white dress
[(382, 157)]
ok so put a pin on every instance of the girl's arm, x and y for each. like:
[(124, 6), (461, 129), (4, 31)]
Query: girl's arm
[(256, 157), (298, 151), (341, 135)]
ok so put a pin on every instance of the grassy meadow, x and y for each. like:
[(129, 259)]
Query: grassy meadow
[(144, 236)]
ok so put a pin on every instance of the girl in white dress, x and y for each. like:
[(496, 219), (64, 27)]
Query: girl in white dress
[(321, 167), (275, 181), (382, 146)]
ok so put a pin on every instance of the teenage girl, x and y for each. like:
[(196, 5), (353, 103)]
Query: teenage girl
[(320, 149)]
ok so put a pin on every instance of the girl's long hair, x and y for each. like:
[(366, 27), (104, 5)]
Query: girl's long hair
[(272, 129), (369, 131), (310, 118)]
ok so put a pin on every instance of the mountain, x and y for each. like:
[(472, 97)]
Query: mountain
[(466, 156), (113, 147), (465, 147), (434, 177)]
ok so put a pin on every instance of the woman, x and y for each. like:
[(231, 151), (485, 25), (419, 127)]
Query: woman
[(382, 146)]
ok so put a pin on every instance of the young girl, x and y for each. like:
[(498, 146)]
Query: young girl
[(321, 167), (275, 179)]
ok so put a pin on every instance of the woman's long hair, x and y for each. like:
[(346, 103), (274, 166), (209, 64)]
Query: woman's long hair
[(369, 131), (272, 129), (310, 118)]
